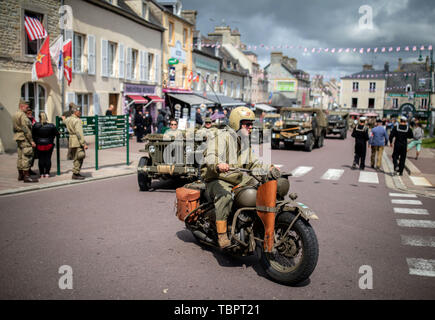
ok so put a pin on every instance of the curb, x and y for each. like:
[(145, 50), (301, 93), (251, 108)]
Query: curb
[(38, 187)]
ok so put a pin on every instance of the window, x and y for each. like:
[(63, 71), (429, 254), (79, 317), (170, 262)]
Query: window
[(185, 39), (82, 100), (355, 86), (354, 103), (78, 53), (371, 103), (423, 103), (112, 56), (32, 47), (395, 103), (238, 90), (372, 86), (144, 9), (225, 87), (229, 65), (150, 64), (133, 63), (408, 88), (421, 83), (171, 33), (215, 83), (198, 84), (35, 94), (207, 83), (231, 89)]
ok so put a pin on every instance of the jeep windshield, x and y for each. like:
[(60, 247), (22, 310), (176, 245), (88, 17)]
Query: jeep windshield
[(335, 117), (297, 116), (270, 121)]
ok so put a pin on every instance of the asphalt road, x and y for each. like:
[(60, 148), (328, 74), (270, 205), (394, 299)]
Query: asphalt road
[(124, 244)]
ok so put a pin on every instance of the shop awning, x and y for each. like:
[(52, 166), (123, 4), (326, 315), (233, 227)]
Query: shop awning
[(224, 101), (264, 107), (155, 98), (191, 99), (137, 98)]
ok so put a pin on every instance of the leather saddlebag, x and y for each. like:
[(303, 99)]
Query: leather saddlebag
[(187, 201)]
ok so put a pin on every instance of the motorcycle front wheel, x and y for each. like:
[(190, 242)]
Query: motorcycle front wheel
[(296, 258)]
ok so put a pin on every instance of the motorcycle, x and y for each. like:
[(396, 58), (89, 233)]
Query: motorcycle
[(261, 222)]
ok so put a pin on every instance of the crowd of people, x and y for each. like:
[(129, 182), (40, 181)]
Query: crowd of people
[(403, 135)]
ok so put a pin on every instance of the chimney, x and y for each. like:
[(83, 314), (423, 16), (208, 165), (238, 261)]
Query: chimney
[(276, 58), (386, 67), (367, 67), (293, 62), (427, 64), (190, 15), (399, 66), (221, 34), (235, 37)]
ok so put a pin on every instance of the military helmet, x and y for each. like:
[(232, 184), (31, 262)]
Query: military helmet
[(239, 114)]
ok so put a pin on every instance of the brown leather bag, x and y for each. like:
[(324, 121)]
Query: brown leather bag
[(187, 201)]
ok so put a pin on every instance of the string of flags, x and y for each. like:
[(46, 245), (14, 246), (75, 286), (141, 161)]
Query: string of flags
[(382, 75), (385, 49)]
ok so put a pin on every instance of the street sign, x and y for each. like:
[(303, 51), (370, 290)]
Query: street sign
[(173, 61), (87, 122)]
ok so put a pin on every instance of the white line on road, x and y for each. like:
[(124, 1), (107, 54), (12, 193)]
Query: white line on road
[(415, 223), (411, 211), (332, 174), (420, 181), (368, 177), (300, 171), (402, 195), (418, 241), (421, 267), (400, 201)]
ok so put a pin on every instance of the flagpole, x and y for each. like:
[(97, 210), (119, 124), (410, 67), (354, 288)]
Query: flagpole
[(62, 30)]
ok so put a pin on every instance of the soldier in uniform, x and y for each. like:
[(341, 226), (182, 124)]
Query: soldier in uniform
[(25, 144), (229, 149), (361, 135), (77, 142), (402, 132)]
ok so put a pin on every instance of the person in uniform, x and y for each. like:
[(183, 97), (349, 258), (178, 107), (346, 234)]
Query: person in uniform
[(361, 135), (23, 136), (229, 149), (77, 142), (400, 134)]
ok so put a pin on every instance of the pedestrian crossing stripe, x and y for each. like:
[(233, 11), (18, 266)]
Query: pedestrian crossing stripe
[(421, 267), (402, 195), (403, 201), (420, 181), (368, 177), (411, 223), (411, 211), (418, 241), (300, 171), (332, 174)]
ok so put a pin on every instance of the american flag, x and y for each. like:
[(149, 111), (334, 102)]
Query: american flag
[(34, 28)]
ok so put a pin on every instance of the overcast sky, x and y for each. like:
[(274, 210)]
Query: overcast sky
[(324, 24)]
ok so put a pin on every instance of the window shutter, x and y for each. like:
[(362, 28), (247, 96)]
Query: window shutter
[(141, 65), (157, 68), (145, 66), (129, 64), (70, 97), (121, 61), (91, 54), (96, 100), (104, 58)]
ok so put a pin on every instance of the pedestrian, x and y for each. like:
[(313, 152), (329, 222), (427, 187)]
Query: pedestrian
[(43, 134), (361, 135), (148, 122), (77, 142), (139, 125), (198, 117), (22, 127), (32, 119), (109, 111), (160, 122), (29, 114), (418, 134), (400, 134), (378, 140)]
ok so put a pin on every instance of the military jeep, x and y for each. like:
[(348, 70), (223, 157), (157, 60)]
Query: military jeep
[(169, 158), (338, 123), (306, 126)]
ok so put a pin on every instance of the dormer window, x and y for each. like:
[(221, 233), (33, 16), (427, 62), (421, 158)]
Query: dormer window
[(408, 88)]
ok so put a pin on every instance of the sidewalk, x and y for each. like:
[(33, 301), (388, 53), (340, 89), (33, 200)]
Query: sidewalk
[(419, 175), (111, 163)]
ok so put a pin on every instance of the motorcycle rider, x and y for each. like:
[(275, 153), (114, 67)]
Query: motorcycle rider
[(230, 148)]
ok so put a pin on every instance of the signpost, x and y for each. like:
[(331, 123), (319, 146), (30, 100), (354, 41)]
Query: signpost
[(109, 132)]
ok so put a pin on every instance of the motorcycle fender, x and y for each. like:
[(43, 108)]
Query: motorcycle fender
[(304, 210)]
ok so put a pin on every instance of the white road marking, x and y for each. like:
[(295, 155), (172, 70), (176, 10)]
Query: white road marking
[(418, 241), (300, 171), (421, 267), (368, 177), (411, 211), (411, 223), (402, 195), (332, 174), (400, 201), (420, 181)]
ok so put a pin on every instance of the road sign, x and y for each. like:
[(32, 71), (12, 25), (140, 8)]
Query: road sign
[(173, 61)]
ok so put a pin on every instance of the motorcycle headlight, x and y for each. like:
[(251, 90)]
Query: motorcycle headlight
[(152, 149), (188, 149)]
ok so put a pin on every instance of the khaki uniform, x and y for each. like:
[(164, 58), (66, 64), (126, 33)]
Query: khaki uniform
[(23, 136), (226, 147), (76, 141)]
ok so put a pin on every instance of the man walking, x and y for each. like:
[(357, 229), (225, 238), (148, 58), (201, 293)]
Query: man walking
[(23, 136), (401, 132), (378, 140), (77, 142), (361, 135)]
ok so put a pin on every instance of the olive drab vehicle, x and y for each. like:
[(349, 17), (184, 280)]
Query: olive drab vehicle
[(170, 158), (306, 126), (338, 123)]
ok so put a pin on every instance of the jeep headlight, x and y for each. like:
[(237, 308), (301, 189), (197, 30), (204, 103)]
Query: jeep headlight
[(152, 149)]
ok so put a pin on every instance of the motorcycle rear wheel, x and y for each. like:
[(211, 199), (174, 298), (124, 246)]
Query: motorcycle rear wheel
[(295, 260)]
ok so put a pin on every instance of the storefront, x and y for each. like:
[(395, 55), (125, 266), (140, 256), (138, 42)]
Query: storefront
[(408, 110)]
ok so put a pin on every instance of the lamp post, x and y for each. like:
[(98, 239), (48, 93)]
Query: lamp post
[(429, 112)]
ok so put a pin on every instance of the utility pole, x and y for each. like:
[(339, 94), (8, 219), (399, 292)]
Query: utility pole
[(430, 118)]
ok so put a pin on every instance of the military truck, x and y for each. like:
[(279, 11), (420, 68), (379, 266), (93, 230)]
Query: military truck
[(269, 121), (169, 158), (338, 123), (306, 126)]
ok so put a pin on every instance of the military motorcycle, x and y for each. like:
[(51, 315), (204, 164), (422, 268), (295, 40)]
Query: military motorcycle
[(261, 222)]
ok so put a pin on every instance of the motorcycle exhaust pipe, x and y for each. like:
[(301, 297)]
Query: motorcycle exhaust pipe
[(202, 236)]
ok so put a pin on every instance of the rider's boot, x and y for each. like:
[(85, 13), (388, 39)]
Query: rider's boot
[(221, 226)]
